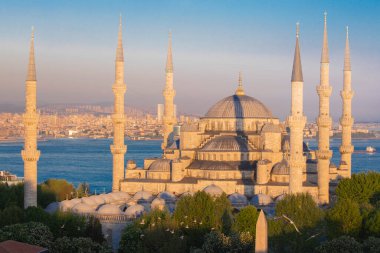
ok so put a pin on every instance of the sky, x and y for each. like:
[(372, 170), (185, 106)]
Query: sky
[(75, 44)]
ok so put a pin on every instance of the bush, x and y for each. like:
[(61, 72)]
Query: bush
[(344, 218), (343, 244), (371, 245), (81, 244), (11, 195), (361, 187), (59, 187), (217, 242), (36, 214), (32, 232), (130, 239)]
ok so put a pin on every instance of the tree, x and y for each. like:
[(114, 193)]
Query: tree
[(32, 232), (11, 195), (245, 220), (60, 187), (130, 239), (344, 218), (301, 208), (217, 242), (361, 187), (372, 224), (11, 215), (343, 244), (36, 214), (83, 189)]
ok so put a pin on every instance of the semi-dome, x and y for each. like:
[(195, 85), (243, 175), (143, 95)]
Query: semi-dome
[(227, 143), (98, 199), (109, 209), (213, 190), (281, 168), (261, 200), (160, 165), (83, 208), (134, 211), (236, 106)]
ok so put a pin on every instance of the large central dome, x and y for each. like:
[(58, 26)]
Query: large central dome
[(239, 106)]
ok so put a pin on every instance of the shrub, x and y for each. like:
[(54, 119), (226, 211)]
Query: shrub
[(11, 215), (245, 220), (372, 225), (343, 244)]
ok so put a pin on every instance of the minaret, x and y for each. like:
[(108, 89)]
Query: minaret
[(296, 122), (30, 154), (119, 88), (168, 119), (324, 122), (346, 121)]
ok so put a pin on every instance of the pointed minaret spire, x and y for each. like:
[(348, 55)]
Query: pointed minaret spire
[(325, 48), (169, 60), (296, 122), (118, 148), (240, 90), (347, 58), (119, 50), (297, 66), (31, 67)]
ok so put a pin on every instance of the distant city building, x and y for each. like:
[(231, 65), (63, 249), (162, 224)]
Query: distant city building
[(160, 112)]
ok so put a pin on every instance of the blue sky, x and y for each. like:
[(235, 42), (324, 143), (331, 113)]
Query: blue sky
[(212, 42)]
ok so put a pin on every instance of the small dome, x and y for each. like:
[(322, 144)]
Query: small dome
[(134, 211), (261, 200), (158, 203), (83, 208), (238, 200), (281, 168), (227, 143), (97, 199), (279, 198), (167, 196), (160, 165), (66, 205), (52, 207), (213, 190), (143, 195), (109, 209), (123, 195), (89, 201), (236, 106)]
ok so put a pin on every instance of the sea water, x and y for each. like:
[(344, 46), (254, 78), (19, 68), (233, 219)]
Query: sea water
[(90, 160)]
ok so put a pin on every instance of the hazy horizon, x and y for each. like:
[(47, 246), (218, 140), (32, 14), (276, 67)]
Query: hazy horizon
[(75, 43)]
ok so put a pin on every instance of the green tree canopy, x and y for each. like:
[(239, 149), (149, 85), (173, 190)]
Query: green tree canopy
[(343, 244), (245, 220), (344, 218), (361, 187)]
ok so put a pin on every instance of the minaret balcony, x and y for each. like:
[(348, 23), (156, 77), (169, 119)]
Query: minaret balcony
[(118, 149), (346, 121), (347, 94), (30, 155), (324, 91), (324, 121), (346, 149), (296, 121), (323, 154)]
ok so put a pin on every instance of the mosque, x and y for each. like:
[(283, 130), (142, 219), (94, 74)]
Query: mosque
[(238, 148)]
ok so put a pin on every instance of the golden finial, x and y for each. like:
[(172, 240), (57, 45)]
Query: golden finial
[(297, 29), (240, 90)]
